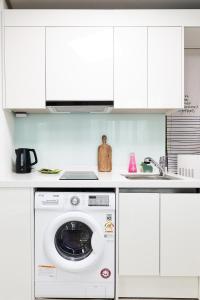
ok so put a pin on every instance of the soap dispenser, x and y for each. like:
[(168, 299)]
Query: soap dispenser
[(132, 168)]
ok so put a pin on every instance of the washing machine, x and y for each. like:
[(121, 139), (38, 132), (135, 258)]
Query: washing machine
[(74, 244)]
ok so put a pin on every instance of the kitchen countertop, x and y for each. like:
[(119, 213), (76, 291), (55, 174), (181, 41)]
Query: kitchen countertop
[(106, 180)]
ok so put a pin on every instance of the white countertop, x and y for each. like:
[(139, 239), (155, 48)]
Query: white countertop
[(106, 180)]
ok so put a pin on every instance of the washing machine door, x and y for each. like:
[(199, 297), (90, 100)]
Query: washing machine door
[(74, 241)]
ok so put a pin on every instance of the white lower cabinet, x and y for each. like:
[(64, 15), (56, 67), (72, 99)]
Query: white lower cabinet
[(180, 235), (159, 238), (159, 245), (15, 249), (138, 234)]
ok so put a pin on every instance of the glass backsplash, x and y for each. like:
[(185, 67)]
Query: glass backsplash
[(71, 140)]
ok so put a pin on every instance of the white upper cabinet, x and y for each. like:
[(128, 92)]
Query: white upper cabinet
[(138, 234), (137, 67), (24, 67), (165, 67), (148, 64), (180, 235), (79, 63), (130, 67)]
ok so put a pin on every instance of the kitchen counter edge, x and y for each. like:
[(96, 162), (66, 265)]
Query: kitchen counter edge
[(106, 180)]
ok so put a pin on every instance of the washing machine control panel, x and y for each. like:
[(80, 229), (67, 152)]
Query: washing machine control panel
[(98, 200), (58, 200), (75, 200)]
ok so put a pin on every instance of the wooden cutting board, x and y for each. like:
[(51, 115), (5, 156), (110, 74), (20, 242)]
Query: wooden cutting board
[(104, 156)]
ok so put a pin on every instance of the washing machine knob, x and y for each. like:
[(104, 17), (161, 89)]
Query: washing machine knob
[(75, 200)]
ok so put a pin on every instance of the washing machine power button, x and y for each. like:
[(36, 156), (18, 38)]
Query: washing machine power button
[(75, 200)]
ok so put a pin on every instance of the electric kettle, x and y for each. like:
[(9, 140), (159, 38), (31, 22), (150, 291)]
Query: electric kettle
[(23, 160)]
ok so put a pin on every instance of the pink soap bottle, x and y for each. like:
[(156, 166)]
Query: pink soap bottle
[(132, 168)]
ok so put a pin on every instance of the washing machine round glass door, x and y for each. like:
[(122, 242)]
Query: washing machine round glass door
[(74, 241)]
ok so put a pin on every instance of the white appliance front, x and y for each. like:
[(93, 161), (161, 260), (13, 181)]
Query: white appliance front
[(74, 244)]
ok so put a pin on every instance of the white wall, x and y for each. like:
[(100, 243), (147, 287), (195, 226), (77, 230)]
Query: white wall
[(6, 121)]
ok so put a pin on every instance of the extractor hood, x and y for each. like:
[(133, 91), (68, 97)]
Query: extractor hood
[(79, 106)]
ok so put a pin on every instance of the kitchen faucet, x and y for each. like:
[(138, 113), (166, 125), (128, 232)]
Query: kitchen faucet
[(149, 160)]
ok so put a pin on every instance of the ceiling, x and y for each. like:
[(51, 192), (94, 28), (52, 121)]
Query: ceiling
[(86, 4)]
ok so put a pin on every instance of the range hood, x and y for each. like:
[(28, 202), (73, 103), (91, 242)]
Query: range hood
[(79, 106)]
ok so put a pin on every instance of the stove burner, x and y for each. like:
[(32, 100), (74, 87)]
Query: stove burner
[(79, 175)]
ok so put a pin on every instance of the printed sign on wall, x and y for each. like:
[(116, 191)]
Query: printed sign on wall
[(183, 126)]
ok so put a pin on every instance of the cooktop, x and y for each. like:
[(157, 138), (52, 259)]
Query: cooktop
[(79, 175)]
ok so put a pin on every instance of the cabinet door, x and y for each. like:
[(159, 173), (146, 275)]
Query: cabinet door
[(180, 234), (15, 253), (79, 63), (165, 67), (130, 67), (138, 234), (24, 67)]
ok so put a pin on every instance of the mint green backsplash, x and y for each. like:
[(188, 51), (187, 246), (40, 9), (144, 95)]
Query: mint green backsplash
[(66, 141)]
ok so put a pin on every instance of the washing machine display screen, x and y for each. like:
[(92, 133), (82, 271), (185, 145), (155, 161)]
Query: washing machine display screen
[(73, 240)]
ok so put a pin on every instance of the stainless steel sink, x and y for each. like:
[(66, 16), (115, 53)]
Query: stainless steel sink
[(150, 177)]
